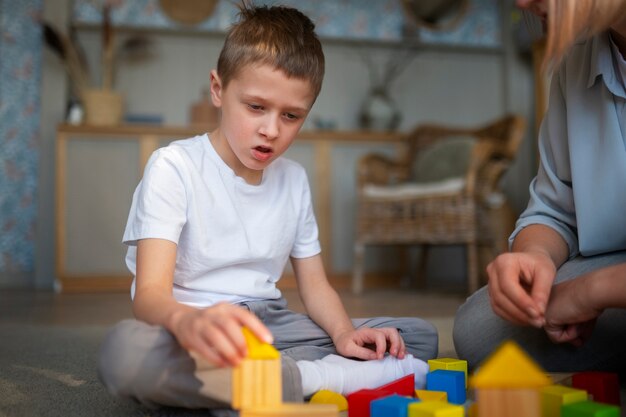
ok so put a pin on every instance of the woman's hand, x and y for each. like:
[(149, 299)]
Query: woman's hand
[(571, 315), (215, 332), (368, 343), (519, 286)]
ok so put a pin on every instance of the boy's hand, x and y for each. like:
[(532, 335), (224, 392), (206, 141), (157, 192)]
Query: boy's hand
[(519, 286), (215, 332), (354, 343)]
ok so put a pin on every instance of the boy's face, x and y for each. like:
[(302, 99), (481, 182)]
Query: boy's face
[(262, 112)]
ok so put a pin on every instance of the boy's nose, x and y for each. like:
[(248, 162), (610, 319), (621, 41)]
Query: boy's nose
[(269, 129)]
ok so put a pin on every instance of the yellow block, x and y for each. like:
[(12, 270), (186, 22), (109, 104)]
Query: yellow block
[(329, 397), (425, 395), (435, 409), (256, 382), (258, 349), (555, 396), (449, 364), (292, 410), (509, 367)]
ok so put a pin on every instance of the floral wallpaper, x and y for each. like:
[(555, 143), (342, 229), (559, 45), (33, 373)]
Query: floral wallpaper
[(345, 19), (20, 75)]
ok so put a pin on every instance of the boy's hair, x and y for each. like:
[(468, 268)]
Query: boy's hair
[(281, 37), (571, 20)]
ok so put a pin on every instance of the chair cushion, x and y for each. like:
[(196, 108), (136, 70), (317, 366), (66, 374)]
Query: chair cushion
[(446, 159), (412, 189)]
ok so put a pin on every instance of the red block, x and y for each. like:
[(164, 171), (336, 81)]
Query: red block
[(602, 386), (359, 401), (404, 386)]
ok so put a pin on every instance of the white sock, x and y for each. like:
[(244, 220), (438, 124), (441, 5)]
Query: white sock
[(345, 376)]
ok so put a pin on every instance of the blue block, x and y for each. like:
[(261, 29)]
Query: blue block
[(452, 382), (392, 406)]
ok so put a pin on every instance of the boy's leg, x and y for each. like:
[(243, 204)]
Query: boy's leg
[(146, 363), (298, 337), (478, 331)]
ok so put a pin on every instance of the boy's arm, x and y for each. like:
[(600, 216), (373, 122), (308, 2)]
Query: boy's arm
[(325, 308), (213, 332)]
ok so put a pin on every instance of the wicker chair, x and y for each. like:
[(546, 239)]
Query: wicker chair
[(401, 203)]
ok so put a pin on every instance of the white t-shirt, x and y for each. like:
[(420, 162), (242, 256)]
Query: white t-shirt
[(233, 238)]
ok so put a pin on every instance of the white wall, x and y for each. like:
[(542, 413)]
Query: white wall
[(454, 87)]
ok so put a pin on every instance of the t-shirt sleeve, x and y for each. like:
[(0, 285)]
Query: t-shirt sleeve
[(307, 236), (551, 197), (159, 206)]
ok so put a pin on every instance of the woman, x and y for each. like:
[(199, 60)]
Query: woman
[(561, 291)]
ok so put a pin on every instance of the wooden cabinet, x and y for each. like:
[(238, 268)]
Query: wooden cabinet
[(98, 168)]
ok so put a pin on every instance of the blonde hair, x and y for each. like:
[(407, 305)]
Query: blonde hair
[(278, 36), (572, 20)]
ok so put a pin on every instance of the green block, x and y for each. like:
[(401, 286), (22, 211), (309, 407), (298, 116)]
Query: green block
[(589, 409)]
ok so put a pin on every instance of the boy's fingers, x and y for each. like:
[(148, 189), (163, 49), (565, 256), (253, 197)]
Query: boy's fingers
[(256, 326), (396, 344), (222, 346), (364, 353)]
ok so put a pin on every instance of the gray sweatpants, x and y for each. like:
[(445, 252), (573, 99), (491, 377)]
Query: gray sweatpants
[(146, 363), (478, 331)]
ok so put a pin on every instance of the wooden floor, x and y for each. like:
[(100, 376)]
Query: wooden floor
[(28, 307)]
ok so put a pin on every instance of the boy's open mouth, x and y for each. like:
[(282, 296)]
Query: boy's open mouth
[(263, 149)]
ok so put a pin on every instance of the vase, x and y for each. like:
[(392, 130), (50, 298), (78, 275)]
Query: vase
[(379, 112), (103, 107)]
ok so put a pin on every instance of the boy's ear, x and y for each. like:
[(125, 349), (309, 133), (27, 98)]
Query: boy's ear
[(216, 89)]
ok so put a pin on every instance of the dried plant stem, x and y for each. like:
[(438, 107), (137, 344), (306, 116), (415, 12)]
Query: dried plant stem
[(107, 49), (77, 72)]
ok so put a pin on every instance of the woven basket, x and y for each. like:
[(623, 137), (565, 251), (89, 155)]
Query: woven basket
[(188, 12), (103, 107)]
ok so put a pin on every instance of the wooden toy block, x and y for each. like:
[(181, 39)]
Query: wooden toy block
[(472, 410), (448, 364), (391, 406), (257, 382), (402, 386), (508, 402), (554, 396), (452, 382), (508, 384), (425, 395), (509, 367), (589, 409), (329, 397), (435, 409), (258, 349), (359, 401), (602, 386), (291, 410)]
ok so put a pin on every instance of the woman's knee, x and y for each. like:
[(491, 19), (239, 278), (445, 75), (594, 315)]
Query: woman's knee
[(470, 322)]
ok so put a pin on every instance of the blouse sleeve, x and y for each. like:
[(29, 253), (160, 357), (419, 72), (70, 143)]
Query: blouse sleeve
[(551, 199)]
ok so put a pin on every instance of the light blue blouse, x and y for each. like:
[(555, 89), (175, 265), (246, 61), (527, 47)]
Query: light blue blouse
[(580, 188)]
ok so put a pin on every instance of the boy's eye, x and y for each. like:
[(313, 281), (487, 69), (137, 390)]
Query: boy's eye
[(255, 107), (291, 116)]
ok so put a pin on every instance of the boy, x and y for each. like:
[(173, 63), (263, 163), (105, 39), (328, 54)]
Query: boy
[(210, 229)]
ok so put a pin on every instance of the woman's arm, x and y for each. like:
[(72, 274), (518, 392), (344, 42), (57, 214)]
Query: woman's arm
[(575, 304), (520, 281), (325, 308)]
